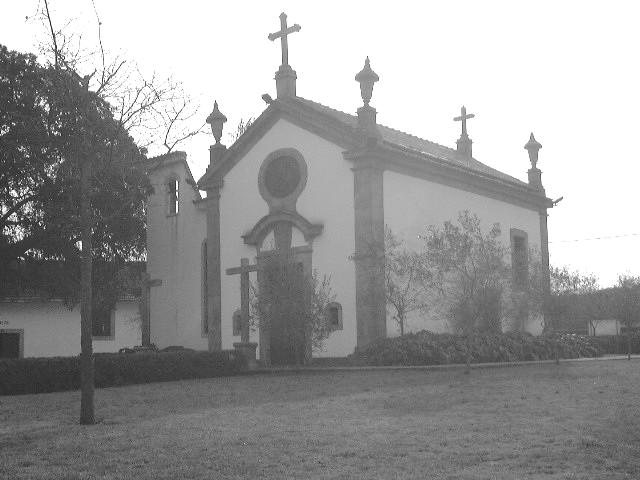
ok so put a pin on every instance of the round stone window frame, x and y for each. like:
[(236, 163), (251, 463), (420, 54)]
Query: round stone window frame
[(287, 202)]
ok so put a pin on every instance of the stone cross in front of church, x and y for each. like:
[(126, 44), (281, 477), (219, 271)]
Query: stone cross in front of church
[(244, 269), (282, 35)]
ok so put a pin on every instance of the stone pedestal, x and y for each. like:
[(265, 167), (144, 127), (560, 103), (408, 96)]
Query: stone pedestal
[(286, 82), (248, 350)]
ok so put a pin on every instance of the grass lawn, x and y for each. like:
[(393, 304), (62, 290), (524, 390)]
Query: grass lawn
[(572, 421)]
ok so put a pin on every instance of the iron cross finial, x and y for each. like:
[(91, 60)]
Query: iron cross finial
[(282, 35), (463, 118)]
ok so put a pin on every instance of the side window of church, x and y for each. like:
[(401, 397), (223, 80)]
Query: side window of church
[(334, 316), (519, 257), (103, 324), (172, 197), (205, 298)]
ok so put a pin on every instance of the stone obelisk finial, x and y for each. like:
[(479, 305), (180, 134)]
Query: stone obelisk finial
[(367, 114), (216, 119), (535, 174)]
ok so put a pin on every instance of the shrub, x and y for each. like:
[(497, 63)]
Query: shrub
[(426, 348), (617, 344), (40, 375)]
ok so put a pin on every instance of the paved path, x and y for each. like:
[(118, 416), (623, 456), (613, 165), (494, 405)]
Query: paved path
[(450, 366)]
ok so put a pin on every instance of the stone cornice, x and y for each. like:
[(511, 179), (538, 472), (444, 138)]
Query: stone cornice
[(394, 158), (387, 155)]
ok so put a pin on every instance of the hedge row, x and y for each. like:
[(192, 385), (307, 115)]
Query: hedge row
[(427, 348), (40, 375), (617, 344)]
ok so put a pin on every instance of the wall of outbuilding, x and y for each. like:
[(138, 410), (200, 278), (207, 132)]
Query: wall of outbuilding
[(174, 245), (51, 329)]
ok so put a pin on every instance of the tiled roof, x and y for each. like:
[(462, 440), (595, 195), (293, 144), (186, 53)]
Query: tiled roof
[(416, 144)]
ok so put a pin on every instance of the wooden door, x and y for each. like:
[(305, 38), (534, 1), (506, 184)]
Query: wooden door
[(283, 286)]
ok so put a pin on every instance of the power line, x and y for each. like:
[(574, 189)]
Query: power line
[(607, 237)]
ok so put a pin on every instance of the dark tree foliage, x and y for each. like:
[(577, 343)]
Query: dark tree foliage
[(50, 124)]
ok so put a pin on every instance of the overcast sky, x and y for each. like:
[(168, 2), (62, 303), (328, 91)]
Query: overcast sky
[(568, 71)]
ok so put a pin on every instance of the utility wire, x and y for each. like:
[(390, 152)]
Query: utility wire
[(608, 237)]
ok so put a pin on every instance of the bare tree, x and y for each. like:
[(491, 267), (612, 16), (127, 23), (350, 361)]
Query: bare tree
[(154, 111), (625, 298), (573, 298), (407, 281), (469, 270), (242, 127)]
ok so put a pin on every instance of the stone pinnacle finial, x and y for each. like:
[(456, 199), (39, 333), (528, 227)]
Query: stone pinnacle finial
[(216, 119), (366, 77), (533, 146)]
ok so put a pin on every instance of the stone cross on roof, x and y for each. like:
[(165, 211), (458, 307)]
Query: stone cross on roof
[(282, 35), (463, 118)]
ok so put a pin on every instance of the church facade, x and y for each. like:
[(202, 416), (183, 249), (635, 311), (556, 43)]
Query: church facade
[(316, 186)]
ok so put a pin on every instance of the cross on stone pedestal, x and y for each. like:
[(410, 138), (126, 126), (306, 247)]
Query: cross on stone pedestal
[(282, 35), (244, 269), (463, 118), (147, 283)]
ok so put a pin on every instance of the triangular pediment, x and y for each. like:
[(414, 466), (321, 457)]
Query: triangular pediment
[(291, 111)]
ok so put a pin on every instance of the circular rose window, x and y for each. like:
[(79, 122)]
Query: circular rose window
[(282, 176)]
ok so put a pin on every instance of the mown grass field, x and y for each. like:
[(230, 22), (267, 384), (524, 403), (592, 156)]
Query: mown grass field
[(572, 421)]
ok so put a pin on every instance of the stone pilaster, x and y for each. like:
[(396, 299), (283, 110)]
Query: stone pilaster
[(214, 280), (544, 253), (367, 120), (369, 251), (286, 82), (214, 275), (464, 146), (535, 179)]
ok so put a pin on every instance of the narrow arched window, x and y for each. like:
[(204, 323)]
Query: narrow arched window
[(519, 257), (205, 296), (333, 315), (172, 197)]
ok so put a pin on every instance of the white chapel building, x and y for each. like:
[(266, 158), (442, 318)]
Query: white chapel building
[(320, 185)]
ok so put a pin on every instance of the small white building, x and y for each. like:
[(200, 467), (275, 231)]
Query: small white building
[(37, 327)]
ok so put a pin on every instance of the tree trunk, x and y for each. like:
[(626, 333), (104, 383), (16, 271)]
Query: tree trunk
[(628, 346), (86, 356)]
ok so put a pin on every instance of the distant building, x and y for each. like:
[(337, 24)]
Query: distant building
[(37, 323)]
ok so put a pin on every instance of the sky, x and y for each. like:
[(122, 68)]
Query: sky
[(568, 71)]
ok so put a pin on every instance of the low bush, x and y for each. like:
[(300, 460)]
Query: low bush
[(617, 344), (40, 375), (427, 348)]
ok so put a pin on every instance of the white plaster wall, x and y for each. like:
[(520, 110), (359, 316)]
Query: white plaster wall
[(604, 327), (327, 199), (411, 204), (174, 246), (51, 329)]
